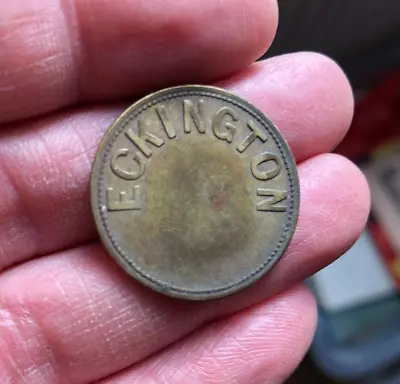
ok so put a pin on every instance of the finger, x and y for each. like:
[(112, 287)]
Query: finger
[(330, 218), (306, 95), (76, 315), (44, 167), (262, 344), (91, 50)]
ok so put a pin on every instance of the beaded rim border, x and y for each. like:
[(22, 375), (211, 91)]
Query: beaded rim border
[(211, 92)]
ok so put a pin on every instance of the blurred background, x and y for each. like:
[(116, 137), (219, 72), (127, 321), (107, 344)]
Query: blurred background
[(358, 334)]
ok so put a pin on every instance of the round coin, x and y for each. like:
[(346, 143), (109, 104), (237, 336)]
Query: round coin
[(194, 192)]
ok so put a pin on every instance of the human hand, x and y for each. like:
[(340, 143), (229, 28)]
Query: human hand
[(68, 314)]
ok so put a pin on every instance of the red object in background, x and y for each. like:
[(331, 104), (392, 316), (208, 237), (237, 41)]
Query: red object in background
[(376, 119), (386, 251)]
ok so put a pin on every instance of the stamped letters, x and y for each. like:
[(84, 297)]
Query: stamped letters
[(142, 141)]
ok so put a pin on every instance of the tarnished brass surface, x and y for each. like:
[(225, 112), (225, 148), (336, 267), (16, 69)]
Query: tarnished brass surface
[(194, 192)]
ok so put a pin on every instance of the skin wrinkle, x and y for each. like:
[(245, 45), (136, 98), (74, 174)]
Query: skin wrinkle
[(39, 37), (60, 190), (85, 151), (38, 32), (15, 27), (76, 43), (254, 331), (212, 356), (60, 325), (118, 317), (46, 158), (32, 367), (8, 323), (100, 325), (107, 344), (26, 216), (60, 353), (12, 226)]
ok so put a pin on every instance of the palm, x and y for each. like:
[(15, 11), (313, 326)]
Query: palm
[(67, 313)]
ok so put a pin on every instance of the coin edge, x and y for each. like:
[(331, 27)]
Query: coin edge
[(137, 273)]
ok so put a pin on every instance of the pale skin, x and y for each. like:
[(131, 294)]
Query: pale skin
[(68, 314)]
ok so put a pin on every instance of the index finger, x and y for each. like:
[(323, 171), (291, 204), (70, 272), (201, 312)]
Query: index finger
[(54, 53)]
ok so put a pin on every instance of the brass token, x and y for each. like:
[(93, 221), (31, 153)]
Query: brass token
[(194, 192)]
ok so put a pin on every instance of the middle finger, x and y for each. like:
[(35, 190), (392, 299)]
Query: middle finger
[(45, 166)]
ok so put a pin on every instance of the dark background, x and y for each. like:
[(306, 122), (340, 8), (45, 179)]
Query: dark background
[(362, 35)]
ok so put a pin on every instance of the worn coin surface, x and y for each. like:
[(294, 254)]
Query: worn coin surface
[(194, 192)]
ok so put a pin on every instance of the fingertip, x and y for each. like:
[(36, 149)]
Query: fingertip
[(265, 24), (335, 90), (304, 325), (336, 206), (306, 95), (252, 27), (322, 92), (293, 314), (193, 41), (101, 50)]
